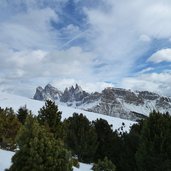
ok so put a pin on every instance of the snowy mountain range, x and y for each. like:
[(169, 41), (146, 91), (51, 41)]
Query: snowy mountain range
[(117, 102), (15, 101)]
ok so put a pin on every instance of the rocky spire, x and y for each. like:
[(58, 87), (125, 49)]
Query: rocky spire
[(49, 92)]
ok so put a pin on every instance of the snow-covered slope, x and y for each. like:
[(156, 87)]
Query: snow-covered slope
[(8, 100), (5, 162), (14, 101), (5, 159)]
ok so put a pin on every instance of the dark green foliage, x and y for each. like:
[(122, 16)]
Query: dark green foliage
[(39, 151), (22, 114), (128, 147), (147, 147), (104, 137), (81, 137), (116, 149), (104, 165), (9, 126), (119, 147), (110, 144), (154, 152), (50, 117)]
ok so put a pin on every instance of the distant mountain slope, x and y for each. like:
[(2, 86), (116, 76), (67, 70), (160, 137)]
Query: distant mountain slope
[(8, 100), (115, 102)]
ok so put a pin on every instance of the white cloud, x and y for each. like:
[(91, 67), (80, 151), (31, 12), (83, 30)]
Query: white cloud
[(116, 34), (123, 31), (125, 21), (161, 56), (22, 59), (70, 29), (154, 20), (30, 30), (155, 82), (24, 66), (90, 87), (37, 63), (145, 70), (145, 38)]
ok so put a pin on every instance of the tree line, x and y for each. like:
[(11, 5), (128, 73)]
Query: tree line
[(46, 143)]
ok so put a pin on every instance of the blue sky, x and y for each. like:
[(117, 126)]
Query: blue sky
[(94, 43)]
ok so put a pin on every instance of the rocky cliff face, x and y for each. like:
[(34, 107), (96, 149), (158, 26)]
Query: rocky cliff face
[(48, 93), (72, 95), (116, 102)]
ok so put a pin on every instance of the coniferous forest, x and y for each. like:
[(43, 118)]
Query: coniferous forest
[(46, 143)]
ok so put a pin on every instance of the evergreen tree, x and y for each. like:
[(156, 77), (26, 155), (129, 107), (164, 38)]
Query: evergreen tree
[(50, 117), (81, 137), (129, 145), (39, 151), (154, 152), (22, 114), (116, 149), (9, 126), (110, 143), (104, 137), (104, 165)]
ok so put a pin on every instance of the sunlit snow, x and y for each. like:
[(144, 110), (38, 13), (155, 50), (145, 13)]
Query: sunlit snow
[(8, 100)]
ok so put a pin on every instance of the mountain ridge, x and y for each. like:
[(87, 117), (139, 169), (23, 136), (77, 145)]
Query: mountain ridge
[(117, 102)]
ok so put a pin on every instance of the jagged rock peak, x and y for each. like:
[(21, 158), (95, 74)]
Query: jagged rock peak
[(49, 86), (39, 89), (49, 92), (50, 89), (73, 94), (38, 95), (77, 88), (71, 89)]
